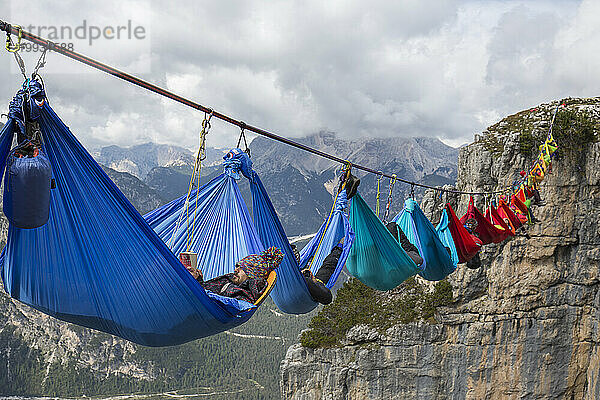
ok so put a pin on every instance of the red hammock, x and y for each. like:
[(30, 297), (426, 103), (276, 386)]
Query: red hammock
[(485, 229), (466, 244), (519, 208), (491, 214), (509, 216), (521, 195)]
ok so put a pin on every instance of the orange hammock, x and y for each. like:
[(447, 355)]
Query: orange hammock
[(519, 207)]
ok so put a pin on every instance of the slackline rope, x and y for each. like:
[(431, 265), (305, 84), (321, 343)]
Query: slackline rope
[(51, 46)]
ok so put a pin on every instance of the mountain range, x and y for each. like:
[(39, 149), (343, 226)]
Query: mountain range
[(300, 184)]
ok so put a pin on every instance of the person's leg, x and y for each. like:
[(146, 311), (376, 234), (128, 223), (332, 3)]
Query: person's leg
[(474, 262), (408, 247), (393, 228), (415, 257), (532, 217), (329, 265), (537, 198), (351, 186)]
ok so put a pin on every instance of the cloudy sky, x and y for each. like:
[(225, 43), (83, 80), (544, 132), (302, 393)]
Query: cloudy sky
[(444, 69)]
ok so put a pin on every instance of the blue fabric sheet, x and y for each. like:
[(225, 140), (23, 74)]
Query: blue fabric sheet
[(376, 258), (437, 263), (290, 293), (97, 263), (446, 237), (218, 226), (331, 231)]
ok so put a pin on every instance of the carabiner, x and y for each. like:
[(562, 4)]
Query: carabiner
[(13, 48)]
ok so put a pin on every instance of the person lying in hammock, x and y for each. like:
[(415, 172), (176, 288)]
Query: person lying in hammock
[(316, 283), (249, 279), (410, 249), (471, 226)]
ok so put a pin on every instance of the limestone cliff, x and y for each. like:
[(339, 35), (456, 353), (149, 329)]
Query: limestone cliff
[(524, 325)]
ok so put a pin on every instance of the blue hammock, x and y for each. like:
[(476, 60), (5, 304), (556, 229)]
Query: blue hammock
[(291, 293), (437, 263), (376, 258), (333, 229), (97, 262), (218, 225), (445, 236)]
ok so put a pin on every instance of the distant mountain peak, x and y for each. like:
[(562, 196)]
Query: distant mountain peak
[(415, 157), (139, 160)]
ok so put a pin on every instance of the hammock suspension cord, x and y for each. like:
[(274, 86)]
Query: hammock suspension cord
[(243, 136), (378, 193), (389, 199), (195, 179), (194, 182)]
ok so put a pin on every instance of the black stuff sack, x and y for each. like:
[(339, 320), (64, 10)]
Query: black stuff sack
[(27, 184)]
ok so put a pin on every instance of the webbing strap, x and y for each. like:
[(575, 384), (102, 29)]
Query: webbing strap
[(378, 194), (389, 199)]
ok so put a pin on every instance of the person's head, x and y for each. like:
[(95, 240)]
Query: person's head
[(258, 266), (471, 224), (239, 276)]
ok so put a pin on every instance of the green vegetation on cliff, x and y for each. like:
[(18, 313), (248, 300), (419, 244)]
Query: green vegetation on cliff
[(573, 130), (357, 304)]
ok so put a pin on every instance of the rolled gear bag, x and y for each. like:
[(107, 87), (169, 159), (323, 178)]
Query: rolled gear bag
[(27, 185)]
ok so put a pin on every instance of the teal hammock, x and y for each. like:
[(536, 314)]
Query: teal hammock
[(437, 261), (376, 258)]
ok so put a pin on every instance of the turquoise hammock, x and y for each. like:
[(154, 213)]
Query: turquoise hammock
[(291, 292), (437, 262), (443, 231), (98, 263), (376, 258)]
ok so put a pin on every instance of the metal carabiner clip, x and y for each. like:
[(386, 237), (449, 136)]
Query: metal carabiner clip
[(13, 48)]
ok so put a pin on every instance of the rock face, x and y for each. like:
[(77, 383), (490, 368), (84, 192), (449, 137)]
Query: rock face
[(525, 325)]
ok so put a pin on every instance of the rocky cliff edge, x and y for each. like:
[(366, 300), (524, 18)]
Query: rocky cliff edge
[(525, 325)]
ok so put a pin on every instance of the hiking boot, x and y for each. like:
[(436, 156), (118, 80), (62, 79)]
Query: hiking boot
[(351, 186), (474, 262)]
